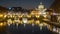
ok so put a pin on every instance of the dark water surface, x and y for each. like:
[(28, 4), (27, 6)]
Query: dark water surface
[(28, 29)]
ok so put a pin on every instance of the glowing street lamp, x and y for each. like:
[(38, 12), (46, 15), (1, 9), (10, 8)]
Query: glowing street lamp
[(1, 15), (5, 16), (1, 24), (24, 21)]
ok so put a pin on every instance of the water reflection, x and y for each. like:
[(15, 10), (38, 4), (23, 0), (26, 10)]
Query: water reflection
[(27, 29)]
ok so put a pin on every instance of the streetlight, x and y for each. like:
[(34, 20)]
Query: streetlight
[(1, 24), (24, 21)]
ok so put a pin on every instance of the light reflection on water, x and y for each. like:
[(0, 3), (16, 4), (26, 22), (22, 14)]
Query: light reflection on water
[(27, 29)]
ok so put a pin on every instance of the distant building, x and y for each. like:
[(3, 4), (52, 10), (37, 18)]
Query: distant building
[(16, 9), (41, 8), (56, 6), (3, 9)]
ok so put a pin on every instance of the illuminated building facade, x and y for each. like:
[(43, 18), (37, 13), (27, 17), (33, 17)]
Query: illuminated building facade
[(34, 14), (35, 17), (41, 8)]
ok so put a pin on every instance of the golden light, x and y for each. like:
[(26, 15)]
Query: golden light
[(46, 19), (41, 24), (49, 27), (20, 22), (1, 15), (45, 16), (45, 24), (5, 16), (1, 24), (30, 21), (17, 20), (29, 16), (9, 21), (40, 6), (58, 19), (37, 16), (5, 23), (33, 12), (25, 20), (37, 22), (13, 16), (20, 16), (9, 16)]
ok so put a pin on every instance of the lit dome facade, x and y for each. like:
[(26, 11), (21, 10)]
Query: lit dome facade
[(41, 6)]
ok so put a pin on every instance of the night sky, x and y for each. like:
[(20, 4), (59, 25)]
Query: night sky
[(28, 4)]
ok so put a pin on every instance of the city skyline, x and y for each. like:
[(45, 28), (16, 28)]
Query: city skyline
[(27, 4)]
